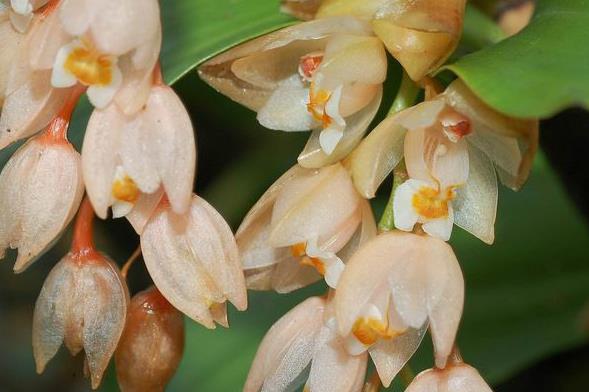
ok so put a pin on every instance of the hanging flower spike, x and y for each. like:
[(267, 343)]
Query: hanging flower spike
[(291, 237), (40, 190), (194, 262), (390, 290), (82, 304), (305, 337), (420, 34), (152, 343), (128, 160), (106, 35), (30, 102), (454, 147), (455, 378), (322, 75)]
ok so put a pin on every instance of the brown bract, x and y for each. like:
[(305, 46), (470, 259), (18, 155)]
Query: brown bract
[(152, 344)]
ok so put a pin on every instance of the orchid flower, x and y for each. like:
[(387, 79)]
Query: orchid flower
[(83, 304), (152, 343), (420, 34), (41, 189), (194, 262), (322, 75), (129, 160), (292, 236), (391, 289), (454, 148), (306, 338)]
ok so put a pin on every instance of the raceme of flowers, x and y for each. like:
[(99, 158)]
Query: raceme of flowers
[(386, 287)]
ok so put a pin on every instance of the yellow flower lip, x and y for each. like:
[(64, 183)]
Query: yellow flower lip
[(89, 66), (316, 106), (125, 189), (369, 330), (299, 250), (432, 203)]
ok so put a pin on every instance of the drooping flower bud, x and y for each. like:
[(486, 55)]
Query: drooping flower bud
[(40, 190), (194, 262), (420, 34), (83, 304), (306, 337), (292, 236), (127, 159), (455, 378), (152, 343), (323, 75), (390, 290)]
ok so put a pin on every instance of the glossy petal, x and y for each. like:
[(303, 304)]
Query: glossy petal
[(475, 206), (84, 305), (152, 344), (143, 209), (40, 191), (377, 155), (313, 205), (457, 378), (287, 348), (193, 260)]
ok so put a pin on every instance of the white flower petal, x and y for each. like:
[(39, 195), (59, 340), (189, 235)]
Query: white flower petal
[(442, 227), (60, 76), (329, 139), (405, 215), (101, 96)]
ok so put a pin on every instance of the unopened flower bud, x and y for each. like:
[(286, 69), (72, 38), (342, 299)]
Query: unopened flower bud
[(152, 343), (40, 190), (455, 378)]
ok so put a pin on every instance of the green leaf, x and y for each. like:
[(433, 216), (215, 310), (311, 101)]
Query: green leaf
[(539, 71)]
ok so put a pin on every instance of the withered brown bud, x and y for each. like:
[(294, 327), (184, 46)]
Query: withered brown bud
[(152, 344)]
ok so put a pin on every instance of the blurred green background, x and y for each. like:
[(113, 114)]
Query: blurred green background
[(526, 317)]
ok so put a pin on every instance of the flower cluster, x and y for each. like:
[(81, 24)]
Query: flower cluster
[(138, 159), (387, 285)]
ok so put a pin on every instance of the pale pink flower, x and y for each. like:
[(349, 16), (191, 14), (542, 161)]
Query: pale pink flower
[(323, 75), (390, 290), (40, 190), (306, 337), (128, 159), (10, 41), (293, 235), (152, 343), (454, 378), (194, 262), (83, 304), (454, 148)]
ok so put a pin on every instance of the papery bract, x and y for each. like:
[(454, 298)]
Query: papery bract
[(127, 159), (455, 378), (305, 338), (40, 190), (323, 75), (82, 304), (152, 343), (194, 262), (391, 288), (291, 237)]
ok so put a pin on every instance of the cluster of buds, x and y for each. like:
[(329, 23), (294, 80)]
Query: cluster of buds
[(387, 287), (138, 159)]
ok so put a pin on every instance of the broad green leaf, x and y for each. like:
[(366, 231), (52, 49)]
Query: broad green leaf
[(539, 71)]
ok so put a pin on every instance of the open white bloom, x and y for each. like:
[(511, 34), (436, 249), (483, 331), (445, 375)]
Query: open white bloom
[(128, 159), (194, 262), (293, 235), (454, 378), (40, 190), (391, 289), (454, 148), (306, 338), (323, 75)]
